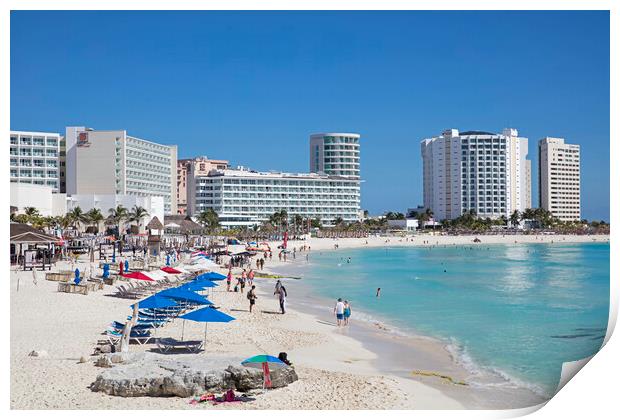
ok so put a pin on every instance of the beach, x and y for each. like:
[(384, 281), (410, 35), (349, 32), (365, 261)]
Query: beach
[(336, 369)]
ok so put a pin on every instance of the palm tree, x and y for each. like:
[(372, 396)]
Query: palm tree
[(77, 217), (515, 217), (32, 213), (316, 223), (210, 220), (118, 215), (95, 217), (338, 222), (279, 219), (137, 214), (298, 220)]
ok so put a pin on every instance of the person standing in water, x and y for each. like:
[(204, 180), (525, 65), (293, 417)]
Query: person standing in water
[(378, 292), (339, 311), (347, 312)]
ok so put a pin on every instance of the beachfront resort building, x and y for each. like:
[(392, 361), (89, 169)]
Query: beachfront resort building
[(243, 197), (188, 169), (34, 158), (335, 154), (559, 175), (475, 170), (111, 162)]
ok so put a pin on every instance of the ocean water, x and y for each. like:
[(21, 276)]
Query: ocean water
[(518, 311)]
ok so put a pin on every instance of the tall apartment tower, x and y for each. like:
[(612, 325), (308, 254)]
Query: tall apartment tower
[(475, 170), (112, 162), (559, 176), (336, 154)]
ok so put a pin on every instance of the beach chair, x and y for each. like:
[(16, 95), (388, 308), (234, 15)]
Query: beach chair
[(140, 336), (166, 345)]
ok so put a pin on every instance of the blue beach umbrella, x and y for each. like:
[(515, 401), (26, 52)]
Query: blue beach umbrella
[(126, 265), (206, 315), (156, 301), (77, 276), (188, 296), (106, 270), (211, 276)]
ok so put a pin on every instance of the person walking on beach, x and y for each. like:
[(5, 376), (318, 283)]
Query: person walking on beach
[(251, 277), (339, 311), (228, 279), (282, 299), (252, 297), (347, 312)]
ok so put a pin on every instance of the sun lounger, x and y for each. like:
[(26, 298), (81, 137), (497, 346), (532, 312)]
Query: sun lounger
[(166, 345), (140, 336)]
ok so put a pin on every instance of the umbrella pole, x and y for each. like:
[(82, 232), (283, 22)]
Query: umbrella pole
[(183, 330)]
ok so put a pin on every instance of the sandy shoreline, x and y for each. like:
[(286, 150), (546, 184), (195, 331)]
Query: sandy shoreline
[(336, 370)]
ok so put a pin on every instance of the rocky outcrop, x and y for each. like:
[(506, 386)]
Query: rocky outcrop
[(156, 376)]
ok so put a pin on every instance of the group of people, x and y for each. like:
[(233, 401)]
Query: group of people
[(247, 277), (342, 310)]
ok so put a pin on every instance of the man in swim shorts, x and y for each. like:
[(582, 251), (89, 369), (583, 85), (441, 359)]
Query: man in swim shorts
[(339, 311)]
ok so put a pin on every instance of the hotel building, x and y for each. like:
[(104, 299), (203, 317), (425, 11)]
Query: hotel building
[(34, 158), (187, 170), (559, 178), (335, 154), (475, 170), (109, 162), (242, 197)]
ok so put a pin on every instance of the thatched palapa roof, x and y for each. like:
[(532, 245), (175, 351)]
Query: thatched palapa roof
[(155, 224), (186, 224)]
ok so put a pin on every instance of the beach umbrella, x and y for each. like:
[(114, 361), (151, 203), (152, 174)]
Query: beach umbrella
[(207, 315), (126, 265), (77, 276), (106, 270), (264, 362), (138, 275), (120, 268), (178, 293), (156, 301), (212, 276), (171, 270)]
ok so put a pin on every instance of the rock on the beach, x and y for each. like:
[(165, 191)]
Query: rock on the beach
[(103, 361), (39, 353), (153, 376), (83, 359)]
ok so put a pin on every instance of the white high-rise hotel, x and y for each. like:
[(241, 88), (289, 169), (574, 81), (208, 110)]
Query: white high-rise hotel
[(474, 170), (330, 191), (34, 158), (559, 178), (110, 162)]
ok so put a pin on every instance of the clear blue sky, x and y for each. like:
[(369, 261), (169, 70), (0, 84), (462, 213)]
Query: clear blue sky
[(251, 86)]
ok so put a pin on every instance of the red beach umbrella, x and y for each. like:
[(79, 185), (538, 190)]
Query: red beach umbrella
[(138, 275), (170, 270)]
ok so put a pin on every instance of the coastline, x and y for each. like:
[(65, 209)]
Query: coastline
[(427, 355), (336, 370)]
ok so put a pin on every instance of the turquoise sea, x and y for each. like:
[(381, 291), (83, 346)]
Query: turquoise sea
[(519, 311)]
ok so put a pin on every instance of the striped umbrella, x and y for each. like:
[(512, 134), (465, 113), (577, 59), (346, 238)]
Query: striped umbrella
[(264, 362)]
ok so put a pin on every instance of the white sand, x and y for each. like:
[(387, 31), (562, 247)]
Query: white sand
[(335, 370)]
